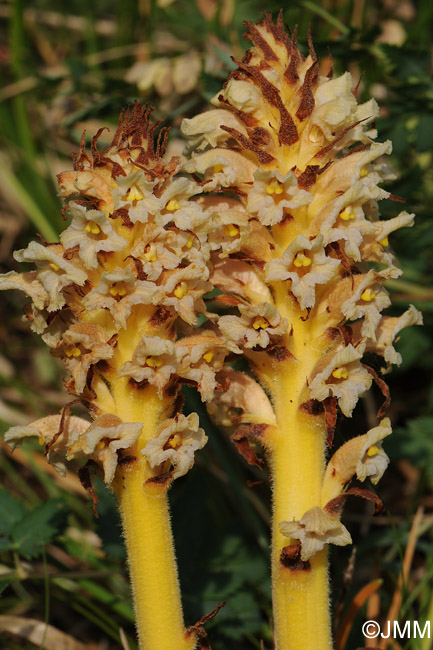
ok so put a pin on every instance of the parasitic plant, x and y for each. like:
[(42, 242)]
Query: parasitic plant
[(276, 210), (306, 289), (107, 300)]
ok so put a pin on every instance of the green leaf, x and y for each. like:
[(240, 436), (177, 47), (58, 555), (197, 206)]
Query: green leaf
[(38, 528), (11, 511)]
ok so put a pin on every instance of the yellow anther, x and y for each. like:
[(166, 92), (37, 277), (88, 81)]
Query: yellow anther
[(172, 205), (384, 241), (134, 194), (92, 227), (208, 356), (72, 351), (175, 440), (348, 213), (260, 323), (190, 242), (368, 295), (117, 289), (274, 187), (231, 230), (181, 290), (316, 134), (41, 440), (363, 172), (340, 373), (217, 168), (301, 260), (373, 450), (54, 266), (151, 255), (100, 446), (153, 362)]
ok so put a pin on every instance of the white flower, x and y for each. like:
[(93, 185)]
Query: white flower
[(53, 271), (175, 443), (368, 299), (81, 346), (340, 374), (305, 263), (257, 325), (272, 194), (91, 231), (29, 284), (362, 455), (221, 168), (135, 193), (102, 441), (314, 530), (199, 358), (206, 127), (53, 432), (244, 401), (387, 330), (118, 291), (154, 360)]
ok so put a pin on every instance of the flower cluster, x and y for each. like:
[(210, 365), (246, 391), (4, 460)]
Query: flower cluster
[(133, 264), (306, 287)]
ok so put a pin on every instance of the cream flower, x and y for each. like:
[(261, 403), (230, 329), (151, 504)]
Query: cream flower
[(199, 358), (81, 346), (244, 401), (314, 530), (91, 231), (221, 168), (28, 283), (52, 270), (154, 360), (305, 263), (387, 330), (135, 193), (182, 290), (373, 461), (102, 441), (273, 194), (362, 455), (239, 278), (118, 291), (53, 432), (368, 299), (93, 183), (340, 374), (230, 226), (175, 443), (376, 246), (206, 127), (257, 325)]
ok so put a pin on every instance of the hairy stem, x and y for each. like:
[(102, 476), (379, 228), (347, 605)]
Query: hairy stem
[(299, 590), (152, 563), (296, 450), (146, 522)]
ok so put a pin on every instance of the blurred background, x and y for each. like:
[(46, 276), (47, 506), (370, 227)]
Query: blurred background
[(62, 572)]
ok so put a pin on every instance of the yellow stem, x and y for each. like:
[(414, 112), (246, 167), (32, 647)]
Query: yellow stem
[(145, 513), (152, 563), (300, 596), (296, 451)]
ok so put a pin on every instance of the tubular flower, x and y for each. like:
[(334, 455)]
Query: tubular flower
[(305, 289), (175, 443), (108, 300), (314, 530)]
